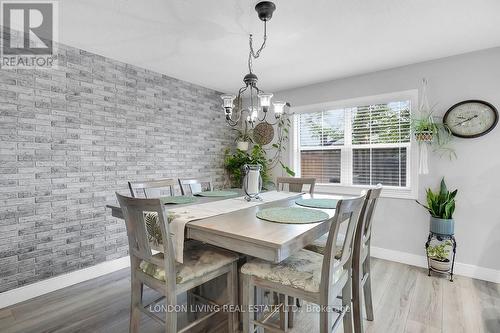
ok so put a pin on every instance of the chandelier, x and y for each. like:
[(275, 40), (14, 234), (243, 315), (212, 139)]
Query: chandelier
[(252, 105)]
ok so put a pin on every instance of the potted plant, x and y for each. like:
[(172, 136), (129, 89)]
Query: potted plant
[(234, 162), (425, 129), (439, 256), (243, 139), (441, 206)]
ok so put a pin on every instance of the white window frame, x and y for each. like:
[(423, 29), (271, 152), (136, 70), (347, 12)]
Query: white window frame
[(408, 192)]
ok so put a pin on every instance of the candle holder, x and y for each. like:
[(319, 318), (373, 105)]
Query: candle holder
[(252, 182)]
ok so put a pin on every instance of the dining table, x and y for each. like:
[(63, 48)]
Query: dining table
[(243, 232)]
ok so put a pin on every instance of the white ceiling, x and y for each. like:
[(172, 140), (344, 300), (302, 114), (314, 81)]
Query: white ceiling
[(206, 41)]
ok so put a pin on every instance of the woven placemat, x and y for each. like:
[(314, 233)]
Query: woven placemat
[(177, 200), (217, 194), (317, 203), (292, 215)]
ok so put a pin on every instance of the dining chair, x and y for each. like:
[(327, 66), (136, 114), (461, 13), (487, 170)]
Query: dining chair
[(193, 186), (295, 184), (309, 276), (361, 272), (160, 271), (152, 188)]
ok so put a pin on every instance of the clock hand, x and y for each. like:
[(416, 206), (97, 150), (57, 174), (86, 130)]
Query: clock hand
[(466, 120)]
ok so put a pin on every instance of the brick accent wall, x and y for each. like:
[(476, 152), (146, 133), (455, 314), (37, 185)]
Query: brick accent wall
[(70, 137)]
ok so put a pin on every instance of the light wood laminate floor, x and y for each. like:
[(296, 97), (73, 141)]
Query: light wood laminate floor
[(405, 300)]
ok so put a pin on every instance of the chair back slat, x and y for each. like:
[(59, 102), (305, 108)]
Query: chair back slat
[(347, 211), (368, 210), (152, 188), (295, 184), (134, 212), (193, 186)]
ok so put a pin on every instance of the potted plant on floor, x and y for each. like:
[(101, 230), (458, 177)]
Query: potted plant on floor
[(441, 206), (439, 256)]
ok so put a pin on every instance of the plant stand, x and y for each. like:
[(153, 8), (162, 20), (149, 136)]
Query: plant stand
[(441, 238)]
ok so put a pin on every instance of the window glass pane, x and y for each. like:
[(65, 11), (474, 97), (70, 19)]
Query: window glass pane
[(310, 128), (322, 128), (333, 128), (324, 165), (381, 123), (379, 165)]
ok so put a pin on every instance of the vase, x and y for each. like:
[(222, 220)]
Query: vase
[(242, 145), (444, 227), (252, 182)]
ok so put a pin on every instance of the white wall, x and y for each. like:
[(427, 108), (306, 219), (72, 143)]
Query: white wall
[(402, 225)]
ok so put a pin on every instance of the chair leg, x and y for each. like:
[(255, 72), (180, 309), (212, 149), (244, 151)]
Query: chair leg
[(171, 316), (284, 312), (357, 311), (135, 304), (248, 301), (325, 321), (291, 305), (367, 290), (346, 302), (232, 291)]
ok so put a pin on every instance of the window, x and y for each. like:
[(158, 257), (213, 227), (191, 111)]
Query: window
[(359, 145)]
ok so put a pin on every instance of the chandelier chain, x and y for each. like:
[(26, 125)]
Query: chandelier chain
[(252, 54)]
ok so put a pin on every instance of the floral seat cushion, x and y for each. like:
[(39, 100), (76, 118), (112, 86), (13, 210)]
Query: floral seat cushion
[(301, 270), (199, 259), (319, 245)]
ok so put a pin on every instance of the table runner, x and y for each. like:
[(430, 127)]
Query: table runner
[(184, 215)]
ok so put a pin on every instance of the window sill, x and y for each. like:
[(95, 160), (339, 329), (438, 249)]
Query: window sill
[(387, 192)]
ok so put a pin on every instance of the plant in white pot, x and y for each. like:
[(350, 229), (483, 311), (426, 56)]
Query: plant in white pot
[(441, 206), (439, 256), (243, 139)]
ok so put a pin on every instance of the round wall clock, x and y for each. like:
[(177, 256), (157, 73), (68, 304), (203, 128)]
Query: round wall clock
[(471, 119)]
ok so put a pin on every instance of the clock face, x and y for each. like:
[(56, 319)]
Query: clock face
[(471, 119)]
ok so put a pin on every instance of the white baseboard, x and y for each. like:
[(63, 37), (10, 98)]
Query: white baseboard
[(476, 272), (36, 289)]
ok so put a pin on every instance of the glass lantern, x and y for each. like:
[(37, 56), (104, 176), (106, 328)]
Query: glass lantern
[(227, 101), (252, 182), (279, 108), (265, 101)]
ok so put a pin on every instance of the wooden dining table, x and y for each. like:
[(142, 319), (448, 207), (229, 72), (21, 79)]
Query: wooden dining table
[(243, 232)]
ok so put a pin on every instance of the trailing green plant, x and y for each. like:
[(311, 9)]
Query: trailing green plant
[(440, 204), (245, 135), (279, 146), (235, 160), (440, 252), (439, 133)]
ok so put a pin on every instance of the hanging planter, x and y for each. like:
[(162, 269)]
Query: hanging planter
[(425, 136)]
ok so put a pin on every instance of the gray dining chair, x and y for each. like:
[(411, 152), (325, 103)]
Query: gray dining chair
[(295, 184), (152, 188), (193, 186), (160, 271), (361, 259), (309, 276)]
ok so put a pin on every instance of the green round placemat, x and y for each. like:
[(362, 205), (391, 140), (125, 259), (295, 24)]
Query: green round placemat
[(292, 215), (177, 200), (317, 203), (217, 194)]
